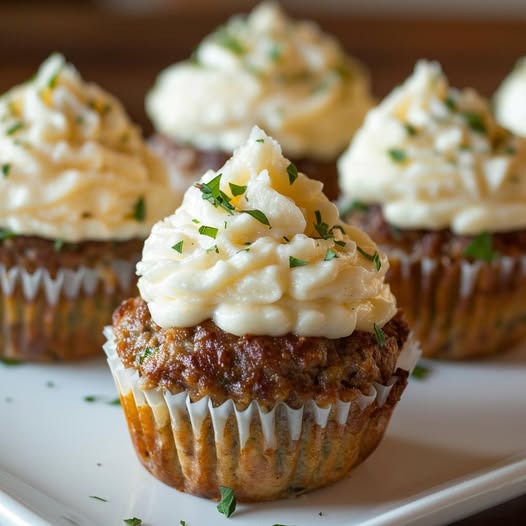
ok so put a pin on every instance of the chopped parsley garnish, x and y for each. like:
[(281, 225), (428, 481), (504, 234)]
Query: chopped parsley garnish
[(227, 504), (196, 221), (213, 248), (97, 498), (293, 173), (380, 335), (411, 130), (178, 247), (133, 521), (212, 193), (182, 523), (321, 227), (237, 189), (6, 167), (295, 262), (14, 128), (209, 231), (260, 140), (115, 401), (57, 245), (353, 206), (343, 70), (226, 40), (475, 121), (10, 362), (92, 399), (397, 155), (450, 103), (6, 234), (510, 150), (375, 258), (481, 247), (53, 80), (275, 52), (330, 254), (421, 372), (139, 210), (148, 351), (258, 215)]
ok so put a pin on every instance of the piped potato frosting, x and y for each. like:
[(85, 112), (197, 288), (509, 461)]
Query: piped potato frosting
[(73, 166), (435, 158), (259, 249), (286, 76)]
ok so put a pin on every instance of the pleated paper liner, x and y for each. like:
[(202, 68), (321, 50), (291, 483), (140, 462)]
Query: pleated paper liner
[(262, 455), (59, 317), (461, 309)]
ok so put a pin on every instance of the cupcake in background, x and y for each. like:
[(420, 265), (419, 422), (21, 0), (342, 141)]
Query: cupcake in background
[(442, 188), (265, 353), (79, 192), (510, 100), (287, 77)]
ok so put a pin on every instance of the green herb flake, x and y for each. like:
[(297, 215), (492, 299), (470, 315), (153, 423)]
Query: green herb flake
[(6, 168), (178, 247), (275, 52), (139, 210), (212, 193), (475, 121), (330, 255), (258, 215), (420, 372), (209, 231), (50, 384), (260, 140), (213, 248), (91, 398), (148, 351), (79, 119), (295, 262), (182, 523), (226, 40), (58, 244), (52, 83), (133, 522), (14, 128), (237, 189), (97, 498), (196, 221), (397, 155), (227, 504), (380, 335), (375, 258), (450, 103), (293, 173), (410, 129), (481, 247), (510, 150), (115, 401), (10, 362)]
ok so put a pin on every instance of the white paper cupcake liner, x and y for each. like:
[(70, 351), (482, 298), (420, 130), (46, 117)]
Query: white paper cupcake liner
[(280, 425)]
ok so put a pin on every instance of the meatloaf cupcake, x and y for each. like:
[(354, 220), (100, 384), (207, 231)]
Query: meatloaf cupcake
[(288, 77), (442, 188), (79, 192), (510, 100), (265, 353)]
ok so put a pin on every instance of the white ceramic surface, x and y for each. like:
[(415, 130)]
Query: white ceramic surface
[(456, 444)]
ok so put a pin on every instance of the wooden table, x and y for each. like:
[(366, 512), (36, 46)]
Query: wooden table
[(124, 54)]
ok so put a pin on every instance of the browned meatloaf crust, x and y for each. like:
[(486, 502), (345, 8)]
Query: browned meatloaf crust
[(204, 360), (192, 161), (429, 243)]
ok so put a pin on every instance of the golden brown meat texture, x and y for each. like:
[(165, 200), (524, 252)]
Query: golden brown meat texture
[(68, 328), (458, 306), (306, 374), (188, 160)]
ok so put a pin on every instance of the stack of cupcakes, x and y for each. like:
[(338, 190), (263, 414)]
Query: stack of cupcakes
[(79, 191), (442, 188)]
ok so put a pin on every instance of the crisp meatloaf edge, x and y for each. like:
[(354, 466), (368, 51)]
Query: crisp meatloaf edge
[(205, 360)]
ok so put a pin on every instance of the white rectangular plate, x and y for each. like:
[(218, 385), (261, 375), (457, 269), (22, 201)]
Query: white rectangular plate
[(455, 445)]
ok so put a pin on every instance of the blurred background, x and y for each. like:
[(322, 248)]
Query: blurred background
[(123, 44)]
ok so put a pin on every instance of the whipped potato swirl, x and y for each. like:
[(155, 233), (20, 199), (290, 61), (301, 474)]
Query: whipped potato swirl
[(288, 77), (258, 248), (73, 165), (510, 100), (434, 158)]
